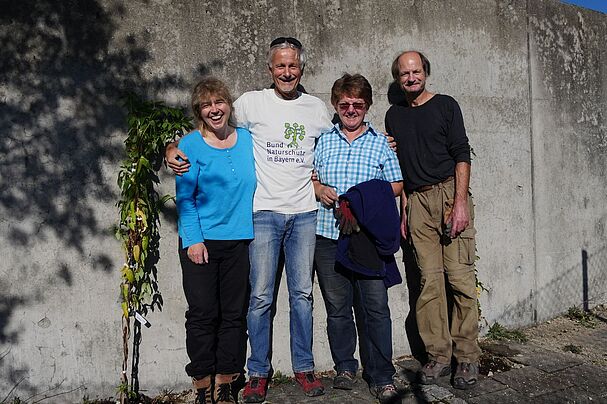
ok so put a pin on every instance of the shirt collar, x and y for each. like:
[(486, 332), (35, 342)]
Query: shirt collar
[(370, 129)]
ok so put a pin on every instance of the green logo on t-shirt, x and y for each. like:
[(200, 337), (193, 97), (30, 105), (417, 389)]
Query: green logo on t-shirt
[(295, 132)]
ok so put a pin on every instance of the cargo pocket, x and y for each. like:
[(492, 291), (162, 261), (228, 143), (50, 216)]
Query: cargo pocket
[(467, 246)]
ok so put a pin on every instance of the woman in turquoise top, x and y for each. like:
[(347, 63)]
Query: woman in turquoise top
[(215, 205)]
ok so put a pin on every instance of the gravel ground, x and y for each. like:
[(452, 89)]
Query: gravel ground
[(582, 338), (578, 334)]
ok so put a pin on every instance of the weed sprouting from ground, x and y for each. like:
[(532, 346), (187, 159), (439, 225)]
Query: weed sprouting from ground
[(498, 332), (576, 349), (280, 378), (583, 318)]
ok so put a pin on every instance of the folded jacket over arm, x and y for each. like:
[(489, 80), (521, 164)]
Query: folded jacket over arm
[(371, 251)]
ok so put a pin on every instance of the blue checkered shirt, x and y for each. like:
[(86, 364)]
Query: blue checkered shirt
[(342, 165)]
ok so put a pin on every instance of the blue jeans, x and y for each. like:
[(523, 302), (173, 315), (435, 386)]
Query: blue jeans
[(295, 234), (343, 290)]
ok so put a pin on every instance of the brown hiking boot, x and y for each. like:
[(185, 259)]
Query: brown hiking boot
[(344, 380), (466, 375), (203, 390), (432, 371), (223, 388)]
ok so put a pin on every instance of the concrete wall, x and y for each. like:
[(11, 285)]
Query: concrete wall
[(530, 77)]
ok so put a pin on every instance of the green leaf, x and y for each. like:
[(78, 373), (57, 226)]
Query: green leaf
[(136, 253), (165, 199), (127, 273), (146, 290), (125, 291)]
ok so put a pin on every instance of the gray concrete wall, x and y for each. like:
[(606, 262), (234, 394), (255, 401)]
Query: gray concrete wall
[(530, 77), (568, 62)]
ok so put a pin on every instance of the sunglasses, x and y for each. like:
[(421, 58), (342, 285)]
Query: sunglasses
[(286, 39), (358, 106)]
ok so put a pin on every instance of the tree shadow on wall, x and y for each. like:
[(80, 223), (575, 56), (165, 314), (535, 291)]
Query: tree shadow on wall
[(62, 75)]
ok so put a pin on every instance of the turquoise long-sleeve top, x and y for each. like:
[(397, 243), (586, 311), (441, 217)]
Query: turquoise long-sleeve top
[(215, 197)]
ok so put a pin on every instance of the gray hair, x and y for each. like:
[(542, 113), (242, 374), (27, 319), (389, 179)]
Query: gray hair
[(286, 45)]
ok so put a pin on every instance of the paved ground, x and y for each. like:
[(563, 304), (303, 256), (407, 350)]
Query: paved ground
[(564, 361), (531, 374)]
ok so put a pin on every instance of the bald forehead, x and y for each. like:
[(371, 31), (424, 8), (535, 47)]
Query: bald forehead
[(410, 59)]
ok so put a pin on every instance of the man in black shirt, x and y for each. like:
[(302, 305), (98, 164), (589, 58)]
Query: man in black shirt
[(437, 209)]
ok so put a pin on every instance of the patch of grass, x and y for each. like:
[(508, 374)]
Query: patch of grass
[(583, 318), (86, 400), (498, 332), (279, 378), (576, 349)]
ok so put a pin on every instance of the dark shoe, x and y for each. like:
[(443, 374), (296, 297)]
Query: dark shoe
[(466, 375), (311, 386), (432, 371), (238, 385), (203, 390), (385, 394), (222, 393), (255, 390), (344, 380)]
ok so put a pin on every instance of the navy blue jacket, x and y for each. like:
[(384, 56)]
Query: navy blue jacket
[(371, 251)]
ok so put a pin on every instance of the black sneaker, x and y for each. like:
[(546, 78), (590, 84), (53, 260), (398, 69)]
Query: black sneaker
[(385, 394), (466, 375), (432, 371), (344, 380)]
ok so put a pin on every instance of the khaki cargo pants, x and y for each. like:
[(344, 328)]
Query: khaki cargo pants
[(439, 261)]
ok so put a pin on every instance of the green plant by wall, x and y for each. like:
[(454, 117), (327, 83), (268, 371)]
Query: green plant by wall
[(583, 318), (498, 332), (151, 125), (480, 288), (279, 378)]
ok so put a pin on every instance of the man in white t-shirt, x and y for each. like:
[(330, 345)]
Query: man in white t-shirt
[(284, 123)]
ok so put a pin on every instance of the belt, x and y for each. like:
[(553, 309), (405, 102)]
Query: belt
[(425, 188)]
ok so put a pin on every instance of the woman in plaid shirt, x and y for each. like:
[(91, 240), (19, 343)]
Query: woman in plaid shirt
[(353, 152)]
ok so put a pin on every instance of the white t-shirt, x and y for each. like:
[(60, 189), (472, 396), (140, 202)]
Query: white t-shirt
[(284, 134)]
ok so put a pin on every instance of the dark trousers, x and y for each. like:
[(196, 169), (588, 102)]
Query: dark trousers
[(342, 291), (217, 296)]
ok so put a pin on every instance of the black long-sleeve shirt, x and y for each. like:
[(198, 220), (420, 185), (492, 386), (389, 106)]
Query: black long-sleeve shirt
[(430, 138)]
